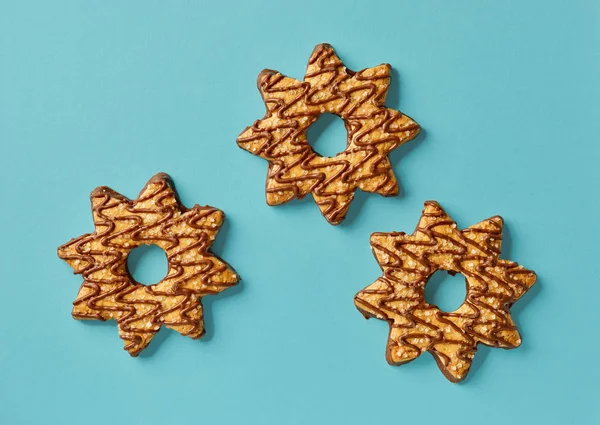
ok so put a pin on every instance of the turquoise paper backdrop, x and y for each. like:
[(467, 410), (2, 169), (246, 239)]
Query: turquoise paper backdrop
[(111, 92)]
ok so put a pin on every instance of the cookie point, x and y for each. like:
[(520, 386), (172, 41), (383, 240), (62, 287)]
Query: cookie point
[(394, 191), (321, 46), (104, 190), (412, 121), (100, 190), (455, 379), (432, 206), (497, 219), (413, 127), (317, 51), (362, 305), (61, 251), (417, 128), (264, 75), (160, 176), (531, 278), (375, 237)]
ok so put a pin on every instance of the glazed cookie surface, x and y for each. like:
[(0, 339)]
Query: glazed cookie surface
[(121, 225), (358, 98), (409, 261)]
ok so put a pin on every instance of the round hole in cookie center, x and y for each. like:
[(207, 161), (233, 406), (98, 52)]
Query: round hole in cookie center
[(327, 135), (147, 264), (445, 291)]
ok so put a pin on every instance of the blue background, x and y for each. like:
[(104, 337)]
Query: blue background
[(105, 93)]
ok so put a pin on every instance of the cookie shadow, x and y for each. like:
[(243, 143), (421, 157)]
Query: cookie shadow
[(301, 207), (361, 197), (208, 316), (532, 293), (207, 302), (148, 351), (483, 351), (392, 101), (156, 342), (208, 309), (529, 297)]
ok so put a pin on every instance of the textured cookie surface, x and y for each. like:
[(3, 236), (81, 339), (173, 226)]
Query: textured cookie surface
[(295, 169), (155, 217), (408, 261)]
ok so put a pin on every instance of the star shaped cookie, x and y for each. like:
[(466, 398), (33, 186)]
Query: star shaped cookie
[(121, 225), (295, 169), (408, 261)]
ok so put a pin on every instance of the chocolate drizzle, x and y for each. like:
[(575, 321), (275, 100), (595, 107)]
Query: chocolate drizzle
[(155, 217), (493, 286), (295, 169)]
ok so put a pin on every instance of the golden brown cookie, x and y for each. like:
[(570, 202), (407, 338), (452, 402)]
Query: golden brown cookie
[(493, 286), (295, 169), (155, 217)]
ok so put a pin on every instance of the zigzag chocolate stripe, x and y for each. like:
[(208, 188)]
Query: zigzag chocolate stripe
[(295, 169), (155, 217), (493, 285)]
